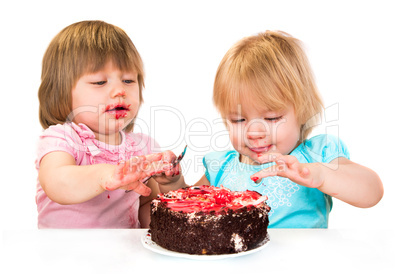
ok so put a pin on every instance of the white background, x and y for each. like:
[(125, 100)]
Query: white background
[(354, 48)]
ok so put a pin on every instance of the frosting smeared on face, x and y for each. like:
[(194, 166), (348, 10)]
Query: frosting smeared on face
[(118, 110)]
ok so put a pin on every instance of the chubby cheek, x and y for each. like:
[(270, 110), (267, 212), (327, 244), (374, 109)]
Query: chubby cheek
[(237, 139), (133, 111), (287, 139), (134, 105), (85, 115)]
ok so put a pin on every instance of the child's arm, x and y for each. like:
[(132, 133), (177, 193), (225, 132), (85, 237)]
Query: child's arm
[(203, 181), (145, 204), (66, 183), (350, 182), (341, 178)]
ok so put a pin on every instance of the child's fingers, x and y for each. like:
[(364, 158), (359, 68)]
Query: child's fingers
[(293, 167), (280, 168), (298, 173), (139, 187), (269, 157), (177, 169), (128, 174), (118, 177), (273, 170), (168, 156), (288, 160), (173, 171), (159, 167), (149, 164), (144, 160), (304, 171), (154, 157)]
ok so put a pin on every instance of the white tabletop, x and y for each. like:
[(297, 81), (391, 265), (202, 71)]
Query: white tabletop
[(121, 251)]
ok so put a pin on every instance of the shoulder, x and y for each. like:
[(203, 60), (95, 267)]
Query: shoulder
[(58, 130), (68, 131), (322, 148), (61, 133), (215, 163), (60, 137)]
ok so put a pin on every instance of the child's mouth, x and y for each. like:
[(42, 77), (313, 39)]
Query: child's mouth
[(118, 110), (260, 149)]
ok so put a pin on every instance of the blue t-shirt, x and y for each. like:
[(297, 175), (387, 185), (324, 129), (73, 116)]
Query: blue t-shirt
[(292, 205)]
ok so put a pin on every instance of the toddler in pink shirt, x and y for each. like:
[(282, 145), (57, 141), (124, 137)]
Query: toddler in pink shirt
[(91, 166)]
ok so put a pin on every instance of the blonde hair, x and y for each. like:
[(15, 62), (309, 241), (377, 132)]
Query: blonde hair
[(83, 47), (273, 69)]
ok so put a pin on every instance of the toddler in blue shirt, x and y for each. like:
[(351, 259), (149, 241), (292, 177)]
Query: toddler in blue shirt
[(265, 91)]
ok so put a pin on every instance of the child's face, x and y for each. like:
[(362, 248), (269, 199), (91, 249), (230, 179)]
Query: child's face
[(256, 131), (106, 101)]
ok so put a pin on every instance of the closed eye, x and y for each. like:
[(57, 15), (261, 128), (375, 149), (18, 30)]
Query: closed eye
[(98, 83), (129, 81), (273, 119), (235, 121)]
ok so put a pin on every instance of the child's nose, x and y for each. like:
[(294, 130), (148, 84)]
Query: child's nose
[(257, 129), (118, 91)]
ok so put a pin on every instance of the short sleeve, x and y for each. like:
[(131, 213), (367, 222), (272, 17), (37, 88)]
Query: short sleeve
[(214, 163), (324, 148), (57, 138)]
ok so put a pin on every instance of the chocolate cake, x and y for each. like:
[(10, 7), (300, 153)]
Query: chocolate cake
[(209, 220)]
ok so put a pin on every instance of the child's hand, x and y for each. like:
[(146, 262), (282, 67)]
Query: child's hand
[(288, 166), (170, 175), (129, 175)]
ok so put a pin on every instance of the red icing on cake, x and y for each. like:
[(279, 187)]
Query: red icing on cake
[(209, 198), (208, 220)]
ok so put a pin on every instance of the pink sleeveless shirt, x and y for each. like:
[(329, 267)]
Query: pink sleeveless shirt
[(110, 209)]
